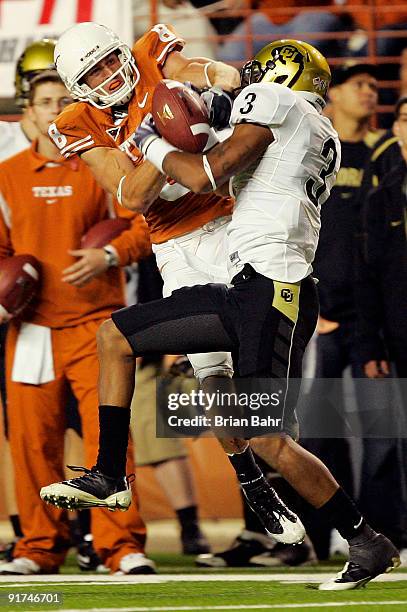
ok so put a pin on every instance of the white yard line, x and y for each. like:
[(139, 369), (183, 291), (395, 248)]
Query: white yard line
[(294, 606), (60, 579)]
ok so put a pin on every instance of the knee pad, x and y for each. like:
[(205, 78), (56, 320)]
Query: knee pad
[(211, 364)]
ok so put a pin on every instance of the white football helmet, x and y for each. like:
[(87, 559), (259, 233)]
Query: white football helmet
[(79, 49)]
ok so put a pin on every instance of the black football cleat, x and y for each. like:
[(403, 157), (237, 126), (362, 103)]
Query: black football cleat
[(87, 558), (194, 542), (280, 522), (246, 546), (92, 490), (367, 560), (286, 555)]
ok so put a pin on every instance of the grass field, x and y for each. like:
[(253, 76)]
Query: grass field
[(180, 587)]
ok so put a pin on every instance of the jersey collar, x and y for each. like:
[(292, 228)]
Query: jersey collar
[(38, 161), (317, 102)]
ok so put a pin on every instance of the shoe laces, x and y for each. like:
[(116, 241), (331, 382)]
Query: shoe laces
[(89, 474), (279, 509), (352, 570)]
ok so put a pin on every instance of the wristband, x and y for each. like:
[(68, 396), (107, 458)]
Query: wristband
[(208, 171), (231, 192), (156, 152), (208, 81), (111, 256), (119, 190)]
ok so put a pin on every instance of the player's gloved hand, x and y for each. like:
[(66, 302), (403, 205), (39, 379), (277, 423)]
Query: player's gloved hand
[(145, 134), (219, 105)]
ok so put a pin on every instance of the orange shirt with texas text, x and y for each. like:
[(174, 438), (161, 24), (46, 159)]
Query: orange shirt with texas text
[(45, 209)]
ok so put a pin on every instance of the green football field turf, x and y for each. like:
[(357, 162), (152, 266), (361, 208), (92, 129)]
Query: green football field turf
[(180, 587)]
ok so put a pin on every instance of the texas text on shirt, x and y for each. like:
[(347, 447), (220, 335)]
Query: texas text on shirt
[(44, 215)]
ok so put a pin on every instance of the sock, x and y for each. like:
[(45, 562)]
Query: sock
[(84, 522), (188, 519), (341, 512), (114, 423), (16, 525), (251, 520), (246, 468), (75, 531)]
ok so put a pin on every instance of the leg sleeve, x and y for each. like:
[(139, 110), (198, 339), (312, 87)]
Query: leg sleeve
[(192, 320)]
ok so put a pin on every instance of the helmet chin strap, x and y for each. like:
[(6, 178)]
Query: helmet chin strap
[(105, 102)]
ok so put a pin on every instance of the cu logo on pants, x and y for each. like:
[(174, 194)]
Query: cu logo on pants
[(287, 295)]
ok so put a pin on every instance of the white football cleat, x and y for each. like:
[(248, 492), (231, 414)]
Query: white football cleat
[(93, 490)]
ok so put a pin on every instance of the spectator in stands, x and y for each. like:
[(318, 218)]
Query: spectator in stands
[(187, 21), (353, 98), (266, 23), (383, 325), (79, 288), (15, 136), (216, 10), (375, 21), (381, 296)]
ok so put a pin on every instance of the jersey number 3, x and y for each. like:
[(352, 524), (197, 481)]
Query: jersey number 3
[(250, 98), (329, 155)]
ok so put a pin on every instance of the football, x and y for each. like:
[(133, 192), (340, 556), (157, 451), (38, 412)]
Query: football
[(100, 234), (180, 116), (19, 280)]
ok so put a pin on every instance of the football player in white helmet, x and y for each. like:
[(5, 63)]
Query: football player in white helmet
[(281, 162), (93, 44)]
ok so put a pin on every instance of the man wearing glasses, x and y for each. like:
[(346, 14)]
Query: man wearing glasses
[(47, 204)]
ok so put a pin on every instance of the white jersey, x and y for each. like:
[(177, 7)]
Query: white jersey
[(12, 139), (276, 219)]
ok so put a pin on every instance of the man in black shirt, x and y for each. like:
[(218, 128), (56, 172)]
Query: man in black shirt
[(381, 295), (353, 97), (381, 301)]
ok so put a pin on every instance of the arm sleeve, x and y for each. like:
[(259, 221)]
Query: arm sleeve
[(265, 104), (133, 244)]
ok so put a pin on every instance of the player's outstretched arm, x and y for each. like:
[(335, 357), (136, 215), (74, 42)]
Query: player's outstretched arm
[(142, 185), (201, 72), (203, 173)]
